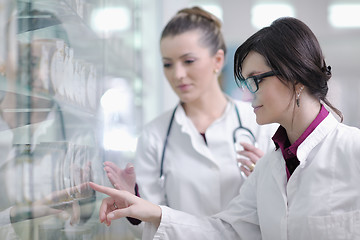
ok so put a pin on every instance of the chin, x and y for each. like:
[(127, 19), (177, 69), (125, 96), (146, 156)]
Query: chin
[(261, 121)]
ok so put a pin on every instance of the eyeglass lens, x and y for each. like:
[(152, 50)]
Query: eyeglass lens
[(251, 84)]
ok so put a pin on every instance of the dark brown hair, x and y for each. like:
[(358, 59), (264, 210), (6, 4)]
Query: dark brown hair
[(196, 18), (290, 48)]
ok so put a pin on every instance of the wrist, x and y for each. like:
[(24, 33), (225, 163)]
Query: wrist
[(135, 221), (136, 190), (156, 220)]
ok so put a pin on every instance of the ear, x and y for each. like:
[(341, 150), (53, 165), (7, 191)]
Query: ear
[(219, 58), (298, 87)]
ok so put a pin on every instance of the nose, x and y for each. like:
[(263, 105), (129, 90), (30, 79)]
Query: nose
[(179, 71), (248, 96)]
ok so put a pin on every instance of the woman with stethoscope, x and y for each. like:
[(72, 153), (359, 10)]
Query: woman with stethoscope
[(186, 158)]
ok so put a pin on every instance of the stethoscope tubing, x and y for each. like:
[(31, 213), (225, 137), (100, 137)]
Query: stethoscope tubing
[(169, 130)]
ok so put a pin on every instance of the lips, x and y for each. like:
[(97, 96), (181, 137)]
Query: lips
[(183, 87), (257, 107)]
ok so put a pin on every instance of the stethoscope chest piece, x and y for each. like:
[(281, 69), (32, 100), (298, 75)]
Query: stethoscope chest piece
[(161, 181)]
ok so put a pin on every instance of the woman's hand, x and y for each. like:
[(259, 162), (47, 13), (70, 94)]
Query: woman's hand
[(248, 157), (121, 179), (124, 204)]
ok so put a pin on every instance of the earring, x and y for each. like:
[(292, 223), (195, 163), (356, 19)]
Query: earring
[(216, 71), (298, 96)]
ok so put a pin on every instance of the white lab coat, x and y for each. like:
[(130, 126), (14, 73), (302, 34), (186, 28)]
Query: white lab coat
[(200, 179), (321, 200)]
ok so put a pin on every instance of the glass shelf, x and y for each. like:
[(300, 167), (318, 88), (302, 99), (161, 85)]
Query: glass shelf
[(54, 69)]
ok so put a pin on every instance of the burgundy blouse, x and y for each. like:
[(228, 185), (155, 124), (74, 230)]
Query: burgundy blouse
[(288, 151)]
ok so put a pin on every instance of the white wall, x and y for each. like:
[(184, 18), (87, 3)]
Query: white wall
[(341, 48)]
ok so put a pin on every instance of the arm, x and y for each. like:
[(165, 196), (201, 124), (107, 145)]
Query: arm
[(166, 223)]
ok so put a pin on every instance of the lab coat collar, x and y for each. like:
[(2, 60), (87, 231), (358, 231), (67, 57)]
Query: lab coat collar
[(303, 151), (189, 128), (319, 133)]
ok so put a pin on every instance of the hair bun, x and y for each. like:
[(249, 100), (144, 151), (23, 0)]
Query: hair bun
[(200, 12), (328, 69)]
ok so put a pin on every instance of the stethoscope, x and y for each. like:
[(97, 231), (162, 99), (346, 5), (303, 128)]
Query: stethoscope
[(240, 134)]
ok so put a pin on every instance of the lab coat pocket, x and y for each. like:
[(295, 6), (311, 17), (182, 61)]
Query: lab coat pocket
[(344, 226)]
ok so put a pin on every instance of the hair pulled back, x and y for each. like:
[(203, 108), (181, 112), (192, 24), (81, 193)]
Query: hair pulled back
[(291, 48), (196, 18)]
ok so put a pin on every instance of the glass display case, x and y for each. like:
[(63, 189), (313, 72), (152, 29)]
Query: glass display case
[(56, 64)]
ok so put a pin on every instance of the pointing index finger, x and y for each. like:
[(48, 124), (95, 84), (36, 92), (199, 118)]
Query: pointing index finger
[(106, 190)]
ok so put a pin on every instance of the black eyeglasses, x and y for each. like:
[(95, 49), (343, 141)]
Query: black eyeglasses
[(252, 83)]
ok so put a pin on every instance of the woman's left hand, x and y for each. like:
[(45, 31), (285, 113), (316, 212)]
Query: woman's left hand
[(249, 157), (121, 179)]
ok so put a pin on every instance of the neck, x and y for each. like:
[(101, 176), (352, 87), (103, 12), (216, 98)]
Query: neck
[(206, 110), (303, 116)]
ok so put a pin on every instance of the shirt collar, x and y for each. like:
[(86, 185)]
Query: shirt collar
[(281, 139)]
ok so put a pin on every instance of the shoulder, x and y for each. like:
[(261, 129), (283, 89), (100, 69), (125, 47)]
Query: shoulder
[(338, 139), (347, 134), (343, 144), (348, 129)]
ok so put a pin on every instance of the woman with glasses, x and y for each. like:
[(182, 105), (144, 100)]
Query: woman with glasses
[(308, 187), (185, 158)]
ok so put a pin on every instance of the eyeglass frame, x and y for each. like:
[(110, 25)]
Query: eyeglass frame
[(241, 81)]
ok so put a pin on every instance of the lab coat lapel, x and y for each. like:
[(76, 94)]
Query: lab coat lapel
[(279, 173), (196, 139), (305, 149)]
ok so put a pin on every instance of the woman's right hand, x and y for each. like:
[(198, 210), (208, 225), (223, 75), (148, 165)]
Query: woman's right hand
[(123, 204), (248, 157), (121, 179)]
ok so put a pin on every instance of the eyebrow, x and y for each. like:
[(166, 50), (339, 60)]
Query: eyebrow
[(252, 73), (182, 56)]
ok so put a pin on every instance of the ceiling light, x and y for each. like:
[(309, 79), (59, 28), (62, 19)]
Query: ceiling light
[(344, 15), (263, 15), (111, 19)]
